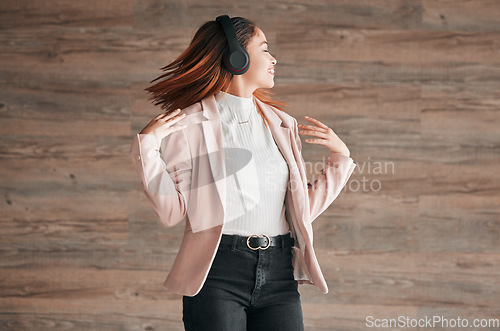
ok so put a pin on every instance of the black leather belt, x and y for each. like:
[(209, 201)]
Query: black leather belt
[(255, 242)]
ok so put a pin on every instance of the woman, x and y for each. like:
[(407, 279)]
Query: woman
[(227, 159)]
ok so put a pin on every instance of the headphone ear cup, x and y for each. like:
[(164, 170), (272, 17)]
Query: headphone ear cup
[(236, 59)]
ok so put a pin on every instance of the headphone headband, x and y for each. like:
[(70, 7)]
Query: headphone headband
[(236, 60)]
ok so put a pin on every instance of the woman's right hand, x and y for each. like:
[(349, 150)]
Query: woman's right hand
[(163, 124)]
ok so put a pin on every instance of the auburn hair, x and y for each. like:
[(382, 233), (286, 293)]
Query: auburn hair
[(199, 72)]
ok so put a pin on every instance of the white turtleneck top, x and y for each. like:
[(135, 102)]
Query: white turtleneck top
[(257, 173)]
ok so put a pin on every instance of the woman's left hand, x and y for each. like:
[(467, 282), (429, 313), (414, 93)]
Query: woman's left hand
[(326, 135)]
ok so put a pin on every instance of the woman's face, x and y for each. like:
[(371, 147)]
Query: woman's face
[(261, 61)]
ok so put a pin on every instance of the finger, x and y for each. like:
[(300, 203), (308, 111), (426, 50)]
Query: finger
[(169, 115), (310, 127), (175, 112), (175, 118), (315, 121), (315, 141), (160, 115), (313, 133)]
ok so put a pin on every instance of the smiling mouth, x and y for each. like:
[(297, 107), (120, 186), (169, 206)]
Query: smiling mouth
[(271, 71)]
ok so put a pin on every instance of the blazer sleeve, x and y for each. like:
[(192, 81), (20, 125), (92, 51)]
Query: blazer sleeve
[(330, 180), (165, 173)]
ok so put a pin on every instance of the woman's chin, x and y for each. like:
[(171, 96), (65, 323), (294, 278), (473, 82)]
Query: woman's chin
[(268, 84)]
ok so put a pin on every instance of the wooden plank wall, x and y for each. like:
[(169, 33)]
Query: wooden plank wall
[(412, 87)]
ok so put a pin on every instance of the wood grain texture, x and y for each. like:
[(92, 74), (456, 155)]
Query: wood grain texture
[(411, 86)]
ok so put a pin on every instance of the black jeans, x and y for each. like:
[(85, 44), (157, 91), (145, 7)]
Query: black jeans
[(247, 290)]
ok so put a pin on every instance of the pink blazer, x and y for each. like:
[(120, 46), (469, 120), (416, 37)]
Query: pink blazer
[(183, 177)]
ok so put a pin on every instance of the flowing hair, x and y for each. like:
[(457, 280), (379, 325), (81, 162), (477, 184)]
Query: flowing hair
[(199, 72)]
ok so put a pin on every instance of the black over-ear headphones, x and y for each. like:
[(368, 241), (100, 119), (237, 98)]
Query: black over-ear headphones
[(236, 59)]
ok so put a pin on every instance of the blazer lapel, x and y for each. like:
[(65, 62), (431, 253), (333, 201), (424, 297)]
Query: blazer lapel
[(282, 135), (212, 133)]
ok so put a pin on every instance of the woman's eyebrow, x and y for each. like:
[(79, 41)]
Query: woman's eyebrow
[(264, 42)]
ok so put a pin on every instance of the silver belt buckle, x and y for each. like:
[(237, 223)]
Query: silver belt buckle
[(258, 247)]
